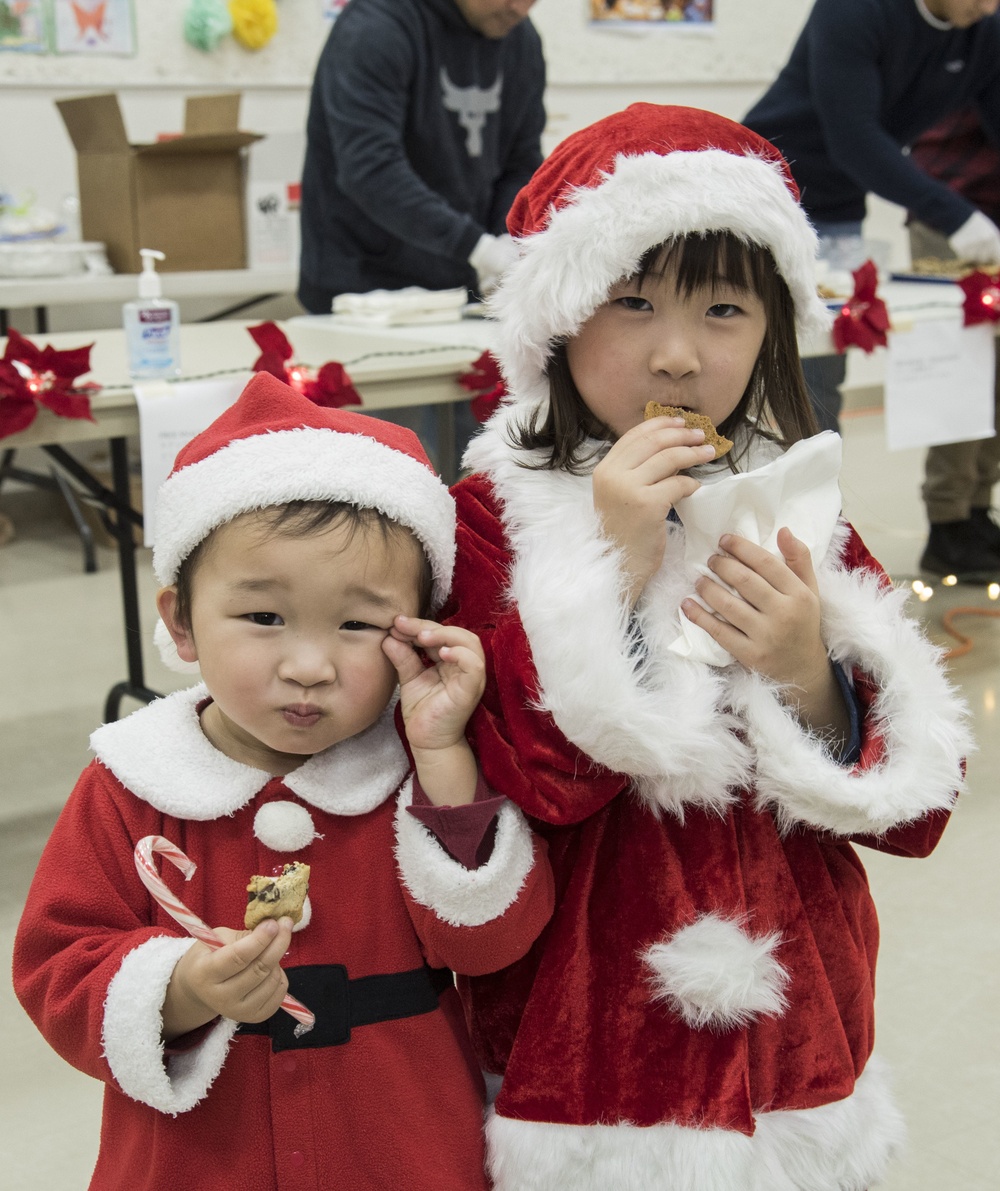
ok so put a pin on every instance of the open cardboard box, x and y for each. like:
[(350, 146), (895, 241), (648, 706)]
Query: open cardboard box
[(183, 196)]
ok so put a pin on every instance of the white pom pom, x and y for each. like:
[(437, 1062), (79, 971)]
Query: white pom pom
[(168, 651), (713, 974), (284, 826)]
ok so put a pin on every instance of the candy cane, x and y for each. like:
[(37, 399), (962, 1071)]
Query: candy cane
[(146, 868)]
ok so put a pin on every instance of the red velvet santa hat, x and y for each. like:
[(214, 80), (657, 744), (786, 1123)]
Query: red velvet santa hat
[(609, 193), (273, 446)]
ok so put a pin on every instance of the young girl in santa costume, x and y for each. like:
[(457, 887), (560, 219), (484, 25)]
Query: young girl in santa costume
[(700, 685), (299, 549)]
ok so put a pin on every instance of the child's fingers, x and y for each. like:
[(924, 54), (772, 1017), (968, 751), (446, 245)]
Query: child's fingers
[(773, 570), (404, 658), (259, 949), (796, 554), (430, 635)]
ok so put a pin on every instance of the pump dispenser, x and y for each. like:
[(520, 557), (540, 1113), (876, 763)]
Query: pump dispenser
[(152, 325)]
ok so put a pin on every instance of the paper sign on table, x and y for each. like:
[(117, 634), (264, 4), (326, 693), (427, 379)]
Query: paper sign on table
[(939, 382), (170, 415)]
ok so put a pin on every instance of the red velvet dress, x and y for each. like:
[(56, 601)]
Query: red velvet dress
[(698, 1015)]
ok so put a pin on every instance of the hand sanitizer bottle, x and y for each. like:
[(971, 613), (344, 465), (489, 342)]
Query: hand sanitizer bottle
[(152, 325)]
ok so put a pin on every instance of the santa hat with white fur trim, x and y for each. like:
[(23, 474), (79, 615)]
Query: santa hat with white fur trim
[(614, 190), (273, 446)]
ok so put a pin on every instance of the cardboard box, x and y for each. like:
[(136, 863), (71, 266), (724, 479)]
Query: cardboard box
[(183, 195)]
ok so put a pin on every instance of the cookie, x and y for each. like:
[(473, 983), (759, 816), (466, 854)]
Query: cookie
[(282, 896), (694, 422)]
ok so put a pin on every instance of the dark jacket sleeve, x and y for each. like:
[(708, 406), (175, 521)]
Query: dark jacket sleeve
[(365, 94), (846, 63)]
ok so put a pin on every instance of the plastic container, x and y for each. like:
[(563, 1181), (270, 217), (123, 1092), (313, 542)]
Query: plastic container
[(51, 258), (152, 325)]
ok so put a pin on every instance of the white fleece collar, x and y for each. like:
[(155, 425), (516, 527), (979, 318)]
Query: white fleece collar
[(160, 754)]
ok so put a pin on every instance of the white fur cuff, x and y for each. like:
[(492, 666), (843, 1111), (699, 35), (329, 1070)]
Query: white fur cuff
[(715, 974), (461, 896), (922, 720), (132, 1029)]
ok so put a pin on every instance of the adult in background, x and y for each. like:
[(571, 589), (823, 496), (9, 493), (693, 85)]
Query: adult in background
[(959, 477), (425, 121), (864, 80)]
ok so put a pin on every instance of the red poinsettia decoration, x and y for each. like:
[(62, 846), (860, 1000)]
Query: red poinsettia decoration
[(31, 376), (982, 298), (330, 386), (863, 319), (484, 379)]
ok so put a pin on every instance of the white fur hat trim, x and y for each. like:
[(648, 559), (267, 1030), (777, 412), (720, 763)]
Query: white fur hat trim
[(566, 270), (303, 464)]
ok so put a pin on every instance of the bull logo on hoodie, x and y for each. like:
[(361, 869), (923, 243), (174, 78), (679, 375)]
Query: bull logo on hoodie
[(472, 105)]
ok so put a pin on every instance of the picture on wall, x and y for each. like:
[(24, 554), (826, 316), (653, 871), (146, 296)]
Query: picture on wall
[(22, 26), (94, 27), (652, 12)]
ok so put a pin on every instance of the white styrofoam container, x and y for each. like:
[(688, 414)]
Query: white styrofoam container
[(40, 258)]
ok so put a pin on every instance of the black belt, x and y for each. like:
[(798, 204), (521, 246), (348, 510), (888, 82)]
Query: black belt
[(341, 1004)]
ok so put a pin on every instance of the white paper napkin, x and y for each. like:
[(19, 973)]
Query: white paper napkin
[(799, 489)]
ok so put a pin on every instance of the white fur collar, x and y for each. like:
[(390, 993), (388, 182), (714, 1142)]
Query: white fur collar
[(161, 755), (662, 719), (668, 721)]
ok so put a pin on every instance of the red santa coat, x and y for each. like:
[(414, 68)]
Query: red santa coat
[(400, 1103), (698, 1016)]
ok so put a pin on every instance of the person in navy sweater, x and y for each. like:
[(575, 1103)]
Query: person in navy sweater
[(424, 123), (864, 80)]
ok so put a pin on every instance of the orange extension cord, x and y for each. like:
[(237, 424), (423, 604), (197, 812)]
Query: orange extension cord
[(965, 642)]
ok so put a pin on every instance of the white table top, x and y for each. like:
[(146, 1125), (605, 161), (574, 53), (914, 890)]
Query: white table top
[(390, 369), (81, 288)]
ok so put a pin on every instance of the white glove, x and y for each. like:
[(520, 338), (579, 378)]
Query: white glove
[(490, 258), (977, 240)]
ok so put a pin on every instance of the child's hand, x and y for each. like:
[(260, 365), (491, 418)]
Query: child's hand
[(636, 485), (437, 701), (243, 981), (773, 624)]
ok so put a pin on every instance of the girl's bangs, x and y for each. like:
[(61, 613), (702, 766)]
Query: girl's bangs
[(703, 261)]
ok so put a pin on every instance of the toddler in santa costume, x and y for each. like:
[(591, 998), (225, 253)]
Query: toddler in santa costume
[(300, 550), (700, 687)]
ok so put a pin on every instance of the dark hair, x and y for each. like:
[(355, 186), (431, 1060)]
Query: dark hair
[(301, 519), (775, 402)]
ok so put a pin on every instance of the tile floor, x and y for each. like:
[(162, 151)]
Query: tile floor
[(939, 987)]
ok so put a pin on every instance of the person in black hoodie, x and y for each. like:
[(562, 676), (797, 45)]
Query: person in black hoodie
[(864, 80), (425, 121)]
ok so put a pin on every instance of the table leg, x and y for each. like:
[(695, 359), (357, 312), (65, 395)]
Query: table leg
[(447, 463), (135, 685)]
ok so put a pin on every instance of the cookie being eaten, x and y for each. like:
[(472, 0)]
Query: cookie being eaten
[(282, 896), (694, 422)]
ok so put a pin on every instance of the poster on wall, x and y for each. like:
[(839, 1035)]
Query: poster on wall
[(651, 14), (22, 26), (94, 27)]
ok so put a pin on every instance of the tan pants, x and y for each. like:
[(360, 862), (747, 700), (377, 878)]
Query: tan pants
[(958, 476)]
